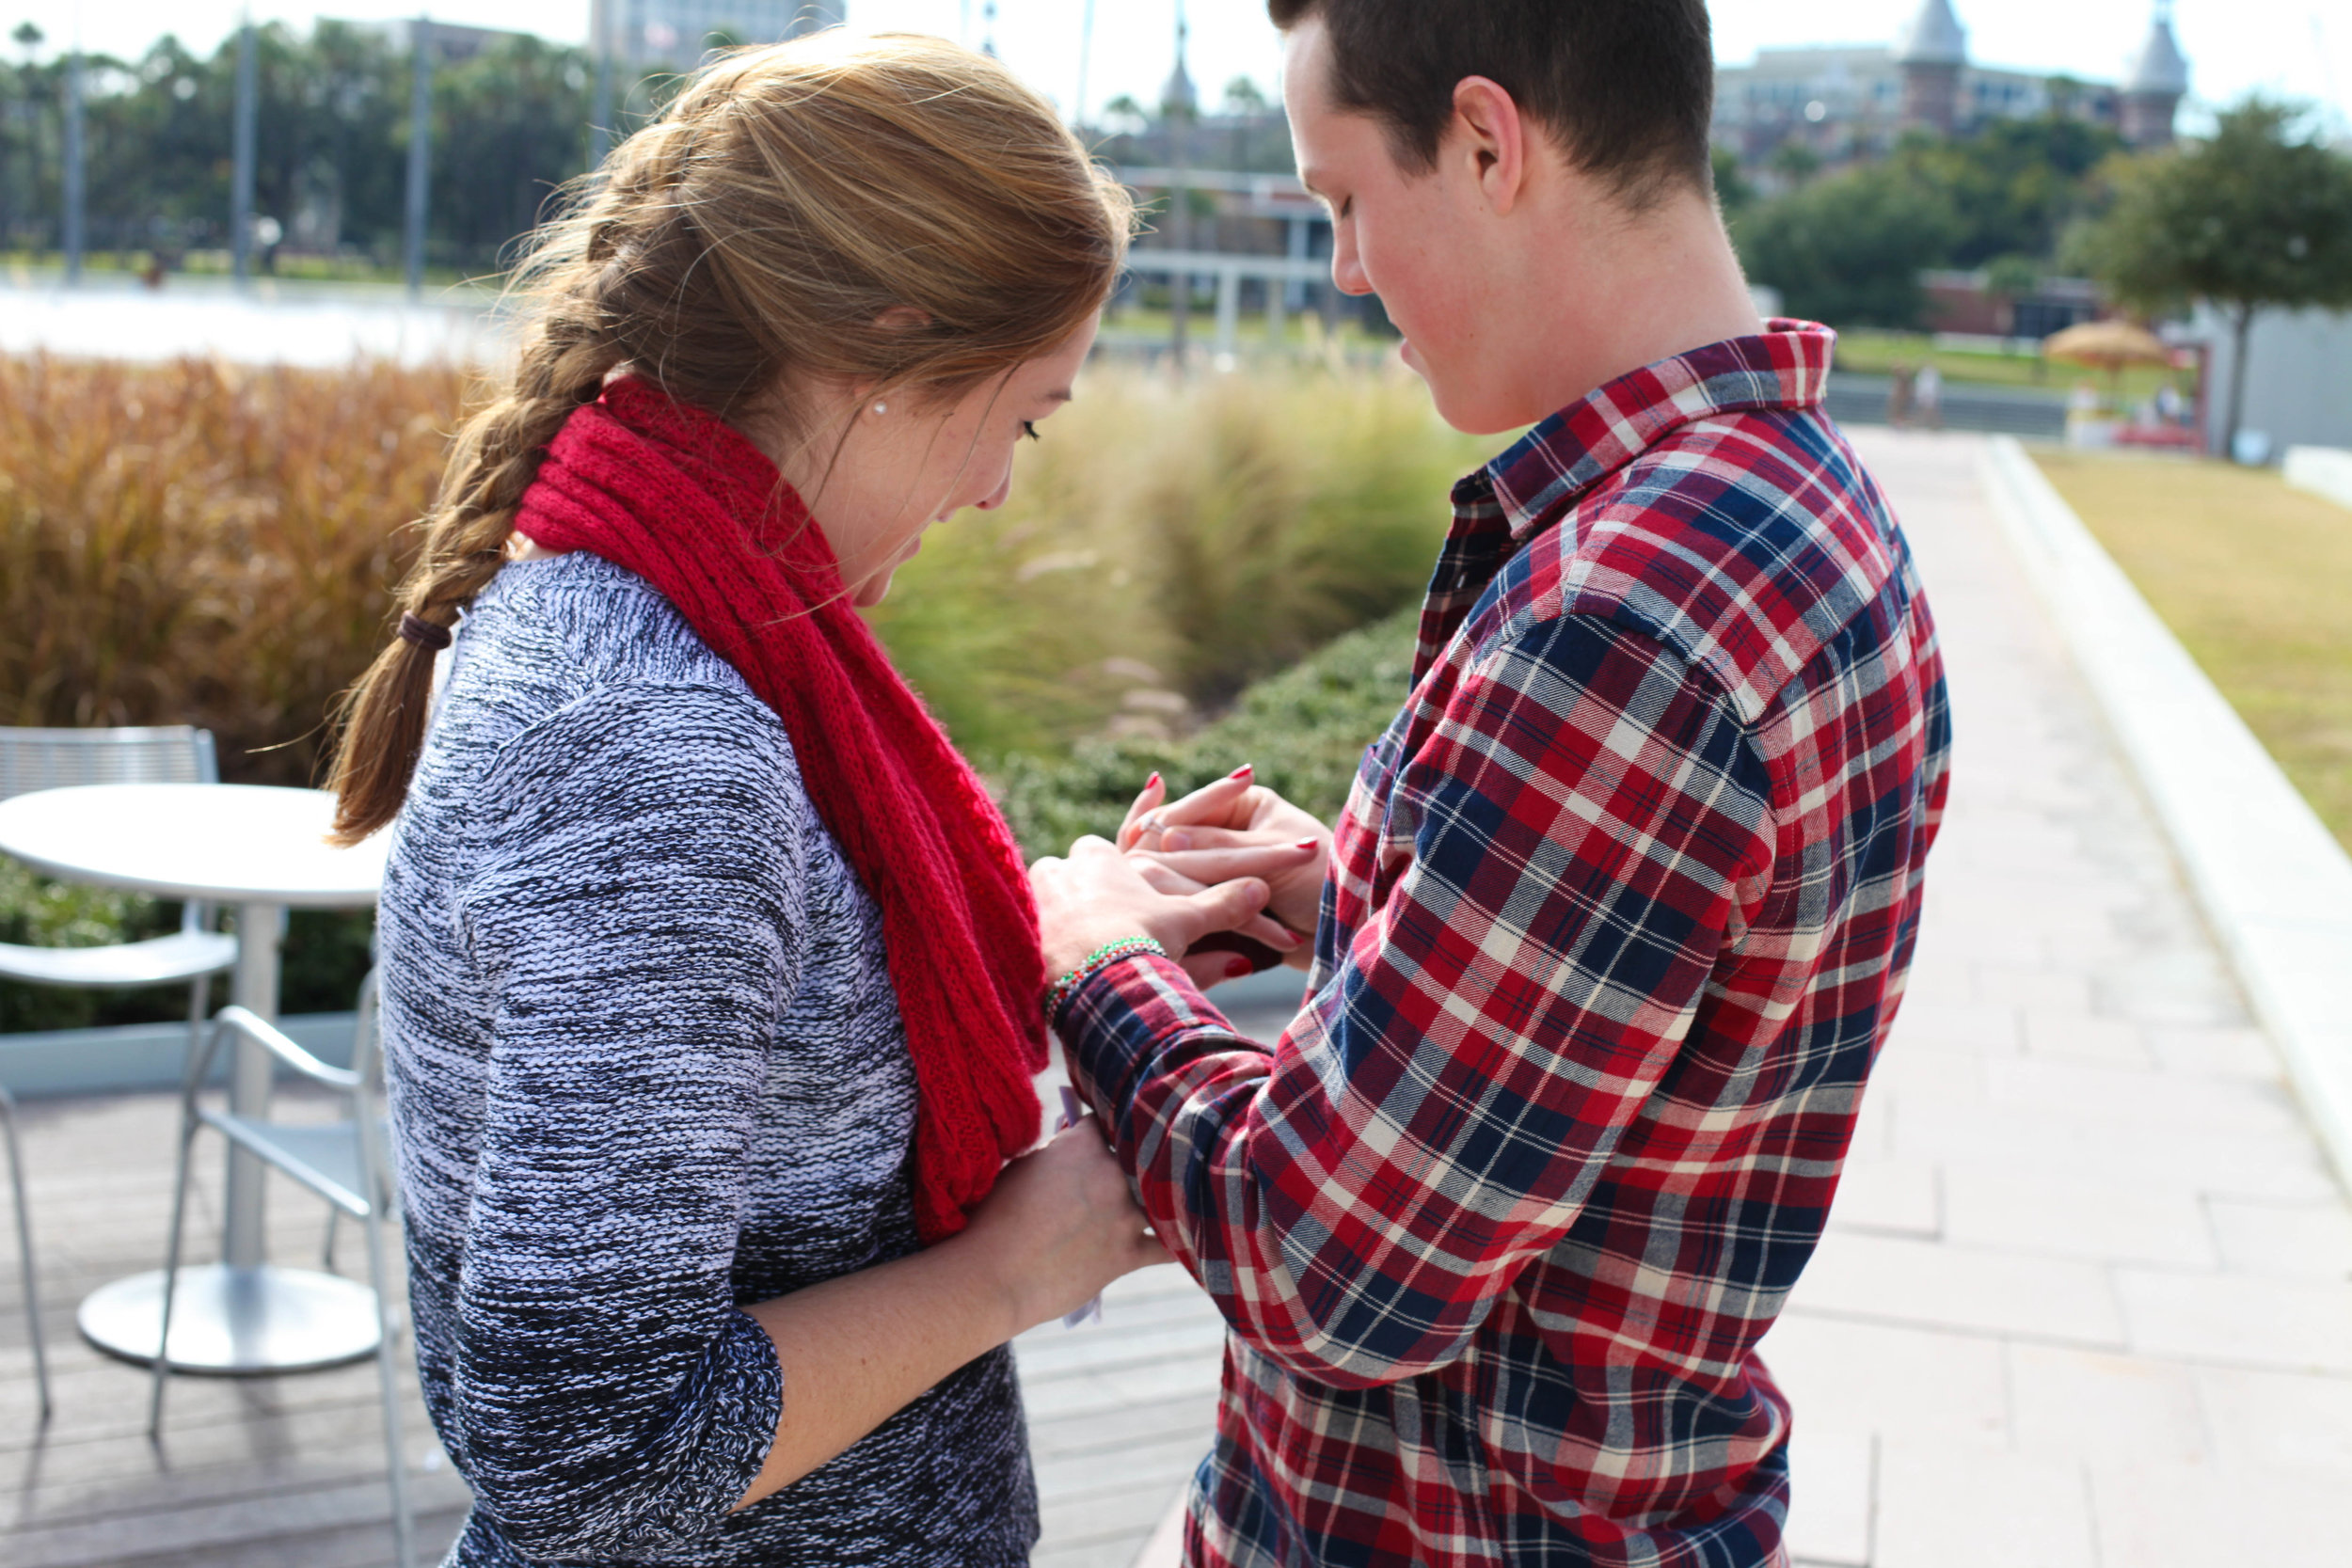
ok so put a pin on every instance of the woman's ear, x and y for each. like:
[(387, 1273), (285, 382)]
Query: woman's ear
[(902, 318)]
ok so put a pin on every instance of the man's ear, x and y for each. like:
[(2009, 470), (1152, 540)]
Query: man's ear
[(1492, 135)]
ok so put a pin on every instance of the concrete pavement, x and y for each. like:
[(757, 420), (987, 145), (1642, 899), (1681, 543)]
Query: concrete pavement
[(2087, 1297)]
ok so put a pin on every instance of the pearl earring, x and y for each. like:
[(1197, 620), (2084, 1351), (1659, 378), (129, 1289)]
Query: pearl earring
[(882, 408)]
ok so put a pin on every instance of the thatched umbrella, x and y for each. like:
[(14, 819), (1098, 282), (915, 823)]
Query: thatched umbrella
[(2110, 345)]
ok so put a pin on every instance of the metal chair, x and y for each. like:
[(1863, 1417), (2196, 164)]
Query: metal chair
[(24, 1249), (33, 759), (55, 759), (345, 1161)]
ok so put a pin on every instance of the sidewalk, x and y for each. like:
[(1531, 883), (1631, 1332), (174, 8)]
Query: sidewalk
[(2087, 1298)]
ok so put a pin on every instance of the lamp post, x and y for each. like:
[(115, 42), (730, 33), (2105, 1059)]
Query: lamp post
[(420, 147), (600, 131), (243, 138), (1176, 107), (73, 225), (243, 152)]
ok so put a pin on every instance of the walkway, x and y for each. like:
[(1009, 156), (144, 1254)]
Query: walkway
[(2087, 1298), (2087, 1301)]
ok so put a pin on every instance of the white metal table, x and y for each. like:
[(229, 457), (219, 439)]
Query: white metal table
[(260, 850)]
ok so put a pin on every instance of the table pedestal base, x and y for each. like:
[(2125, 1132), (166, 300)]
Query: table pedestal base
[(236, 1321)]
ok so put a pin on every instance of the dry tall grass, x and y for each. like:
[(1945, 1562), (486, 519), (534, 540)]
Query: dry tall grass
[(206, 544), (1168, 541), (199, 543)]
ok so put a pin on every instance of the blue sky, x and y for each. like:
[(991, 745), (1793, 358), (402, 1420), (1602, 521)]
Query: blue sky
[(2234, 45)]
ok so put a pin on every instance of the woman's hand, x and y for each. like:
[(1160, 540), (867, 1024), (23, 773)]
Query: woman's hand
[(1225, 830), (1098, 895), (1060, 1225)]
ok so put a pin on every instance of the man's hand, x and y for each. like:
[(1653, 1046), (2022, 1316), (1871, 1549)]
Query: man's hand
[(1225, 830), (1097, 896)]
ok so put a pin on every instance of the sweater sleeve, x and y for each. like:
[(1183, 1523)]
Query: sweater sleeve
[(635, 911)]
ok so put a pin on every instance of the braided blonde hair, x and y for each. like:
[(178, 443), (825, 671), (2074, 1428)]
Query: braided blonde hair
[(754, 236)]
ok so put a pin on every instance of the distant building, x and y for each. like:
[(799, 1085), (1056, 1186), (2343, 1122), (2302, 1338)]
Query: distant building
[(650, 34), (451, 41), (1846, 101)]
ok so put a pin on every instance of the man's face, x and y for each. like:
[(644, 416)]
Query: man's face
[(1404, 236)]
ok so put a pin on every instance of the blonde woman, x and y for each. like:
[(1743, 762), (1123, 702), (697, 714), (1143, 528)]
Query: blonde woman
[(711, 985)]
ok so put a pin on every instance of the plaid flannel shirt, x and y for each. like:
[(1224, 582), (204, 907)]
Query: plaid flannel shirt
[(1618, 913)]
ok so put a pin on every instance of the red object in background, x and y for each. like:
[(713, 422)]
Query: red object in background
[(2168, 438)]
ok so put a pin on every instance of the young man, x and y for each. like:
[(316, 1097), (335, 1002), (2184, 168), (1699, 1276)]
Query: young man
[(1621, 905)]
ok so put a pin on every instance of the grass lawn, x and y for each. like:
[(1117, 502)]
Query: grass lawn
[(1877, 353), (2256, 579)]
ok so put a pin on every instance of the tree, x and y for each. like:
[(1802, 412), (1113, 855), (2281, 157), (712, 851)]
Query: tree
[(2014, 185), (505, 138), (2259, 217), (1733, 193), (1849, 248)]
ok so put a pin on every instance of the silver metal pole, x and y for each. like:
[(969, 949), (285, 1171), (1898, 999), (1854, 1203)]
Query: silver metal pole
[(241, 174), (420, 129), (74, 184), (253, 985), (600, 131)]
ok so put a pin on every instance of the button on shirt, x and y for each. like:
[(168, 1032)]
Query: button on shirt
[(1619, 912)]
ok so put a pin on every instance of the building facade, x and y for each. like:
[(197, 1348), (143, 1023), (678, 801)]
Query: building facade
[(1844, 103), (652, 34)]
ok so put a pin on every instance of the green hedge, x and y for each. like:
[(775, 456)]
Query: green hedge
[(1304, 730), (326, 954)]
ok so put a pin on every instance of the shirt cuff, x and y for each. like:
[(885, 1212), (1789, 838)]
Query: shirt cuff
[(1124, 1018)]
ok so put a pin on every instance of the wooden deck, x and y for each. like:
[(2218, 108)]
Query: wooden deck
[(289, 1472)]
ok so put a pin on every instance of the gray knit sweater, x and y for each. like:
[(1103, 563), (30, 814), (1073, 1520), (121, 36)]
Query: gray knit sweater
[(645, 1063)]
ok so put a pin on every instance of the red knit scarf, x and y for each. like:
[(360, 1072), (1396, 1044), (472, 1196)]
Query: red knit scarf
[(675, 496)]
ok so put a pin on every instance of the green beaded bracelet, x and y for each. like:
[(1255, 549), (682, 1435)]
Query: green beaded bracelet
[(1096, 961)]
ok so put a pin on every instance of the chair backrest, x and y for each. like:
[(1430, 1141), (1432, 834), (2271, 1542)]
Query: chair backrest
[(367, 1041), (367, 1098), (57, 759), (60, 759)]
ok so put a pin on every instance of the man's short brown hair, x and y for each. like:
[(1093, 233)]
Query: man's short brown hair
[(1625, 86)]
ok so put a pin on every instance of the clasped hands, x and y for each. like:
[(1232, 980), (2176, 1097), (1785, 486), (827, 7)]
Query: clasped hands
[(1232, 856)]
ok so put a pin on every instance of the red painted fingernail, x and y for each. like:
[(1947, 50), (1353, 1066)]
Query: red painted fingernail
[(1241, 772), (1308, 844), (1236, 968), (1152, 782)]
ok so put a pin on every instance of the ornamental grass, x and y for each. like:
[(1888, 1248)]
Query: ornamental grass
[(199, 542)]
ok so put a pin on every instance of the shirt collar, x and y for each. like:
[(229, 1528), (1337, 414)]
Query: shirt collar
[(1784, 367)]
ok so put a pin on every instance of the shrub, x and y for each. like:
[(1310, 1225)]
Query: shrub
[(195, 543), (1304, 730), (1208, 535), (1847, 249), (324, 954), (202, 544)]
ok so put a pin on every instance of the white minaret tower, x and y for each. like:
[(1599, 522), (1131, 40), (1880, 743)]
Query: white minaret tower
[(1932, 52), (2154, 83)]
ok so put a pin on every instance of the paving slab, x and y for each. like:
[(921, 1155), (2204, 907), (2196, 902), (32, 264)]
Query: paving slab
[(2088, 1300)]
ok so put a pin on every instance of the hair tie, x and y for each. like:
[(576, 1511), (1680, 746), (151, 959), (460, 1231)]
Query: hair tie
[(424, 633)]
